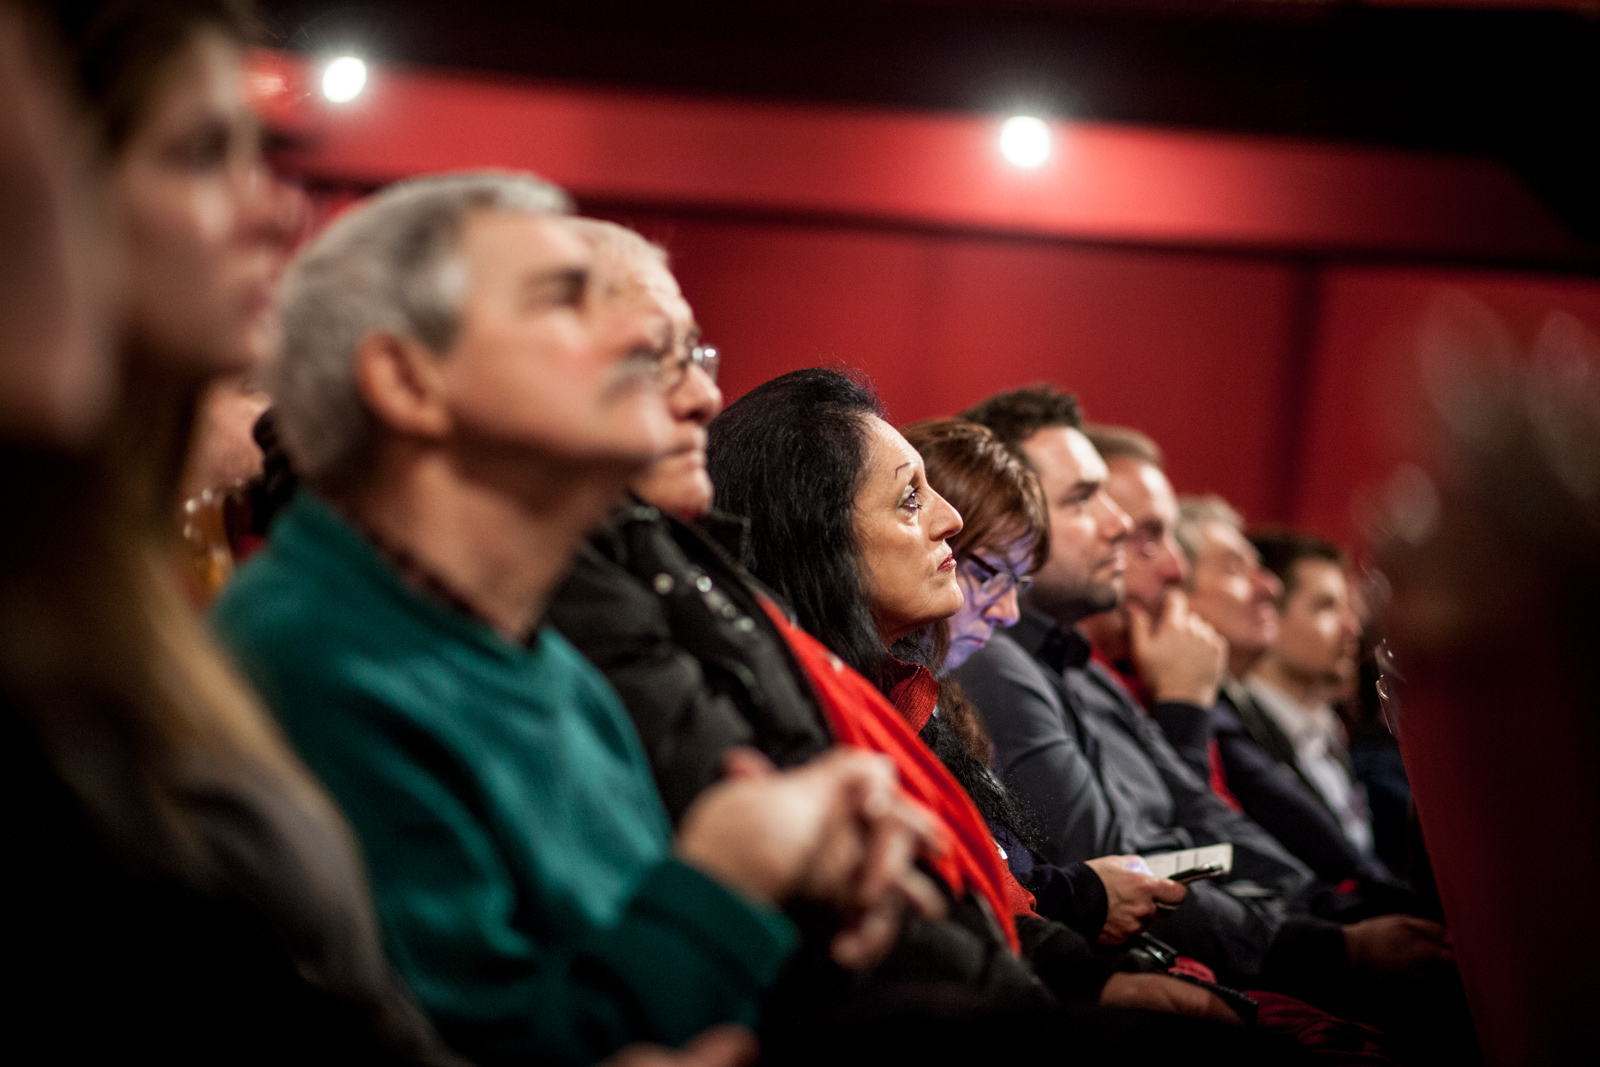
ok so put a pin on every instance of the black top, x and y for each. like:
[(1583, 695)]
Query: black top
[(1105, 780), (675, 625), (113, 960), (1270, 791)]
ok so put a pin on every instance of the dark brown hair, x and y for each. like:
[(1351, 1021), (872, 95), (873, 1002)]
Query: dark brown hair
[(1122, 442), (1017, 415), (997, 494), (1282, 549), (999, 498), (118, 51)]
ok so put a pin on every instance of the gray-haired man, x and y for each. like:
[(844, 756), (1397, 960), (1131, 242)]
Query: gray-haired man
[(466, 403)]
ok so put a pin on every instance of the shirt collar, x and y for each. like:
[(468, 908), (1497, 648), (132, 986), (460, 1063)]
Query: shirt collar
[(1056, 646), (730, 532), (1299, 722)]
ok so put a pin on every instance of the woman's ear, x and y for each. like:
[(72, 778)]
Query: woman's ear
[(401, 382)]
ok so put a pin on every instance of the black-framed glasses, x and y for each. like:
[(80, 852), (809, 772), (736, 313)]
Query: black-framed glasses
[(675, 368), (994, 582)]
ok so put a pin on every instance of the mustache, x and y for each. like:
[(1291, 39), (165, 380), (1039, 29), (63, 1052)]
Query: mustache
[(633, 372)]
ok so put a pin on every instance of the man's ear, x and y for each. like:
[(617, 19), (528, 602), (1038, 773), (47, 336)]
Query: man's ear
[(401, 382)]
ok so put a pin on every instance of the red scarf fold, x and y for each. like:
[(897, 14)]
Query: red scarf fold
[(860, 716)]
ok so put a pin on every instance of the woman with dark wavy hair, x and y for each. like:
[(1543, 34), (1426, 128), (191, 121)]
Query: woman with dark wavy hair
[(846, 526)]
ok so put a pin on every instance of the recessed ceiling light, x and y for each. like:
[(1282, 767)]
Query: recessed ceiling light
[(1025, 141), (344, 79)]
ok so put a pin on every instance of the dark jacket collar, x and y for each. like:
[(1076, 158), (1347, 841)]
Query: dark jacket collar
[(1049, 643), (731, 533)]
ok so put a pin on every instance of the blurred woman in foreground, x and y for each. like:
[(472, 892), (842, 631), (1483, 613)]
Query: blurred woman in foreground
[(181, 887)]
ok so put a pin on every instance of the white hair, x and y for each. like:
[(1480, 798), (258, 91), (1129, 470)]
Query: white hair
[(1195, 511), (617, 242), (388, 264)]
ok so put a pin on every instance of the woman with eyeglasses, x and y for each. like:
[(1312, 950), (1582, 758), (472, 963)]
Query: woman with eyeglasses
[(1005, 531)]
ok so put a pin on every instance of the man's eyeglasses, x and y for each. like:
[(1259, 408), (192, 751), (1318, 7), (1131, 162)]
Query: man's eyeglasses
[(675, 368), (993, 582), (1144, 543)]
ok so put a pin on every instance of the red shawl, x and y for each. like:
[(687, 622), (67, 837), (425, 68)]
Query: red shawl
[(860, 716)]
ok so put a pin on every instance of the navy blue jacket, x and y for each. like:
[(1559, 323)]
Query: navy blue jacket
[(1270, 792)]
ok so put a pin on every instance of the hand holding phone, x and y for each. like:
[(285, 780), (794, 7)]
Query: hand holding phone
[(1198, 874)]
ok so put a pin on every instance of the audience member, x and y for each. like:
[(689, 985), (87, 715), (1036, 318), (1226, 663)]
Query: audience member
[(1376, 762), (179, 887), (1004, 518), (874, 729), (56, 272), (1076, 746), (1004, 535), (224, 460), (1206, 733), (1491, 549), (1312, 660), (465, 402), (1152, 640), (1230, 587)]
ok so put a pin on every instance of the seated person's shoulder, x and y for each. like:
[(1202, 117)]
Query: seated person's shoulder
[(562, 662), (1002, 659)]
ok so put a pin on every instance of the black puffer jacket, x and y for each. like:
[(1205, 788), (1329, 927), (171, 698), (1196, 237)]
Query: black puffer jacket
[(674, 624)]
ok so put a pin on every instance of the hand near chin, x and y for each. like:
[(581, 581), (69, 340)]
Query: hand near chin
[(1179, 655), (837, 830)]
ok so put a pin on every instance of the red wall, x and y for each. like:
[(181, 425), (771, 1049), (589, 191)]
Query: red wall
[(1199, 287), (1188, 346), (1376, 328), (1217, 292)]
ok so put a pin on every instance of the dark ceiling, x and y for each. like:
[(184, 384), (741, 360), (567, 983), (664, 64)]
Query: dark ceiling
[(1522, 86)]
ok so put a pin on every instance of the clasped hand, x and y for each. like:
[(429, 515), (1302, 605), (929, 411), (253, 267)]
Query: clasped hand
[(837, 830)]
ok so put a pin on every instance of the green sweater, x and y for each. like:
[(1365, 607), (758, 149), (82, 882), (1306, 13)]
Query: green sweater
[(519, 854)]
